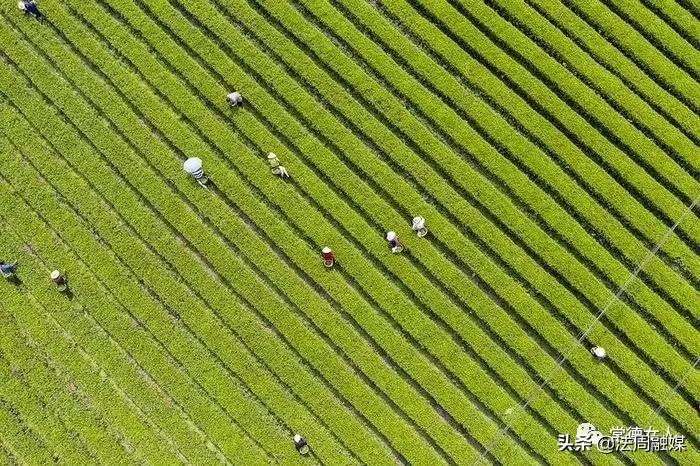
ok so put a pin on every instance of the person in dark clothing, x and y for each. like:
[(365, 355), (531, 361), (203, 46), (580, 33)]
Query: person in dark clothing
[(30, 8), (394, 243), (59, 280), (7, 270), (300, 444)]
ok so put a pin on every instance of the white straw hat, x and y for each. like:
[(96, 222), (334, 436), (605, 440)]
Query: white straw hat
[(599, 352), (271, 155), (390, 235), (326, 250), (21, 6), (55, 274), (297, 437)]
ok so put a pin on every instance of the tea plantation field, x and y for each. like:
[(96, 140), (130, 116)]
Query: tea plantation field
[(553, 148)]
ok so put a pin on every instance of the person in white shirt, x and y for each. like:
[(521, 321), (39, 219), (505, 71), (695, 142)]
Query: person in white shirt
[(419, 226), (599, 352), (234, 99)]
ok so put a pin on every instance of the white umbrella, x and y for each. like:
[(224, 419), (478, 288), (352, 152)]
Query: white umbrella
[(193, 166)]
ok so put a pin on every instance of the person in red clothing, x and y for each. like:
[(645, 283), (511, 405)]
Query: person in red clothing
[(328, 257)]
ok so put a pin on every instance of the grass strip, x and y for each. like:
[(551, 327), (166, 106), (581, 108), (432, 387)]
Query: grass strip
[(680, 19), (144, 342), (671, 106), (200, 87), (40, 418), (22, 442), (604, 296), (335, 417), (188, 310), (664, 37), (140, 437), (46, 377), (364, 48), (595, 220), (622, 274), (627, 103), (226, 393), (639, 49)]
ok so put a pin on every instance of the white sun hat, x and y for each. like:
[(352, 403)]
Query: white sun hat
[(297, 437), (326, 250), (599, 352), (55, 274), (391, 235), (21, 6)]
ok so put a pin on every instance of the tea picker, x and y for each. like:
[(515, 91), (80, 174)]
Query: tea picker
[(328, 257), (419, 226), (599, 353), (234, 99), (193, 166), (8, 270), (394, 243), (30, 8), (300, 444), (59, 280), (275, 166)]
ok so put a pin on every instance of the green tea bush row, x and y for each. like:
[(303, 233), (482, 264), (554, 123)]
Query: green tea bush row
[(653, 61), (194, 318), (90, 356), (37, 375), (316, 42), (299, 340)]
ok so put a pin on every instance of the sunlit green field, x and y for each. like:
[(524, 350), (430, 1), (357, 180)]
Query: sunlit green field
[(552, 147)]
